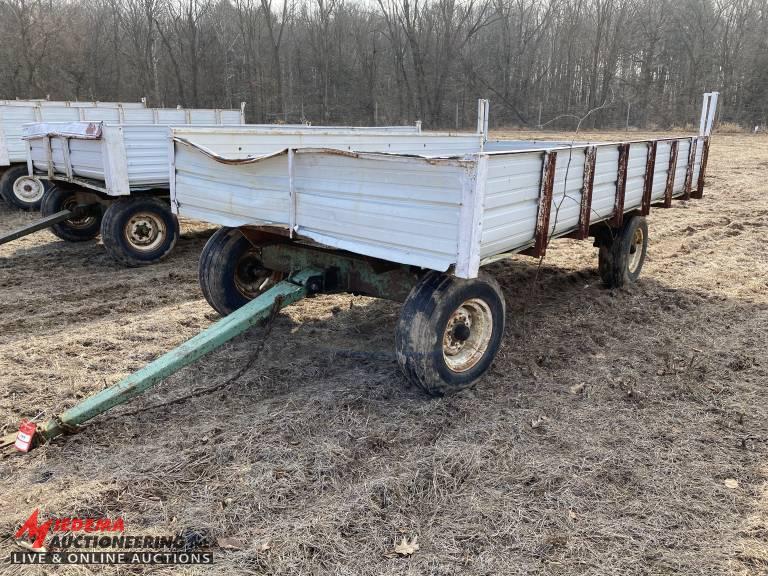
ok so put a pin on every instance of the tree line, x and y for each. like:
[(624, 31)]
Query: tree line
[(551, 63)]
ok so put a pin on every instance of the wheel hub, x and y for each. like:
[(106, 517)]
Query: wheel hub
[(251, 278), (28, 189), (467, 335), (145, 231), (82, 221), (636, 250)]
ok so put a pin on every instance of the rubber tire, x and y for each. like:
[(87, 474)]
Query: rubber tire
[(216, 271), (422, 322), (6, 188), (113, 225), (54, 201), (613, 260)]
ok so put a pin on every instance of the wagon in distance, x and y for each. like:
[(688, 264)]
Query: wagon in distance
[(17, 187)]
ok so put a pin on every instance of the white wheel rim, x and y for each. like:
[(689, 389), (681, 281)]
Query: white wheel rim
[(145, 231), (636, 251), (467, 335), (28, 189)]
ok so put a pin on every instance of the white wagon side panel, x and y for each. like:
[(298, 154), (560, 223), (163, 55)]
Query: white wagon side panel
[(511, 202), (661, 170), (147, 155), (683, 150), (606, 176), (396, 208), (637, 163), (566, 191), (12, 147)]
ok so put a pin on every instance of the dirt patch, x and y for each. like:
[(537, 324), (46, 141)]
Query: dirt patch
[(599, 443)]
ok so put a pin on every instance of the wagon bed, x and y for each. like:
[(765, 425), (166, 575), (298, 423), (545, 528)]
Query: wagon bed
[(452, 207)]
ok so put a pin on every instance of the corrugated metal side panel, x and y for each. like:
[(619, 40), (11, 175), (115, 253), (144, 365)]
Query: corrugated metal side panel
[(139, 116), (202, 117), (683, 149), (511, 202), (239, 144), (104, 114), (87, 158), (147, 149), (12, 119), (231, 195), (661, 169), (697, 165), (400, 209), (55, 114), (231, 117), (171, 116), (39, 153), (566, 191), (636, 165), (606, 175)]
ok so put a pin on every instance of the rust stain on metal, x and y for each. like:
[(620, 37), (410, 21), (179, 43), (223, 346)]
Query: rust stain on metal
[(671, 174), (545, 205), (650, 168), (621, 186), (689, 169), (699, 192), (585, 211)]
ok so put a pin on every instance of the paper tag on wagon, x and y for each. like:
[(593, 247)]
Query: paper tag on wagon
[(24, 437)]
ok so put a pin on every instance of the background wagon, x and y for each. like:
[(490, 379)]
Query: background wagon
[(17, 187)]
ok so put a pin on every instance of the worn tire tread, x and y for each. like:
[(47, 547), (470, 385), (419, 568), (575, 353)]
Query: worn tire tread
[(52, 202), (112, 230), (415, 333)]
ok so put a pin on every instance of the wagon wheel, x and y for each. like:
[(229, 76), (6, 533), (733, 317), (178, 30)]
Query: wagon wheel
[(623, 252), (76, 229), (449, 331), (231, 273), (139, 231), (20, 189)]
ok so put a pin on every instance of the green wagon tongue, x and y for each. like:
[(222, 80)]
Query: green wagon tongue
[(259, 309)]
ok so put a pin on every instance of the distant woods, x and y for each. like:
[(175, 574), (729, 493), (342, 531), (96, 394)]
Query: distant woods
[(644, 63)]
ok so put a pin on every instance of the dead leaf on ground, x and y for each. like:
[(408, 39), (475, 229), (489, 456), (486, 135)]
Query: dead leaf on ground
[(230, 544), (406, 547), (577, 388), (538, 421), (731, 483), (263, 546), (29, 546)]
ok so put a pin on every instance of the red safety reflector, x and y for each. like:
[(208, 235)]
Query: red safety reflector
[(24, 437)]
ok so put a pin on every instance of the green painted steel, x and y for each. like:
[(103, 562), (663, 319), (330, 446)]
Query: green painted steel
[(346, 272), (259, 309)]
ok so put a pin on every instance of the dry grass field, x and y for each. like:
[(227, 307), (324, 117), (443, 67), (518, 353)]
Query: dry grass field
[(600, 442)]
